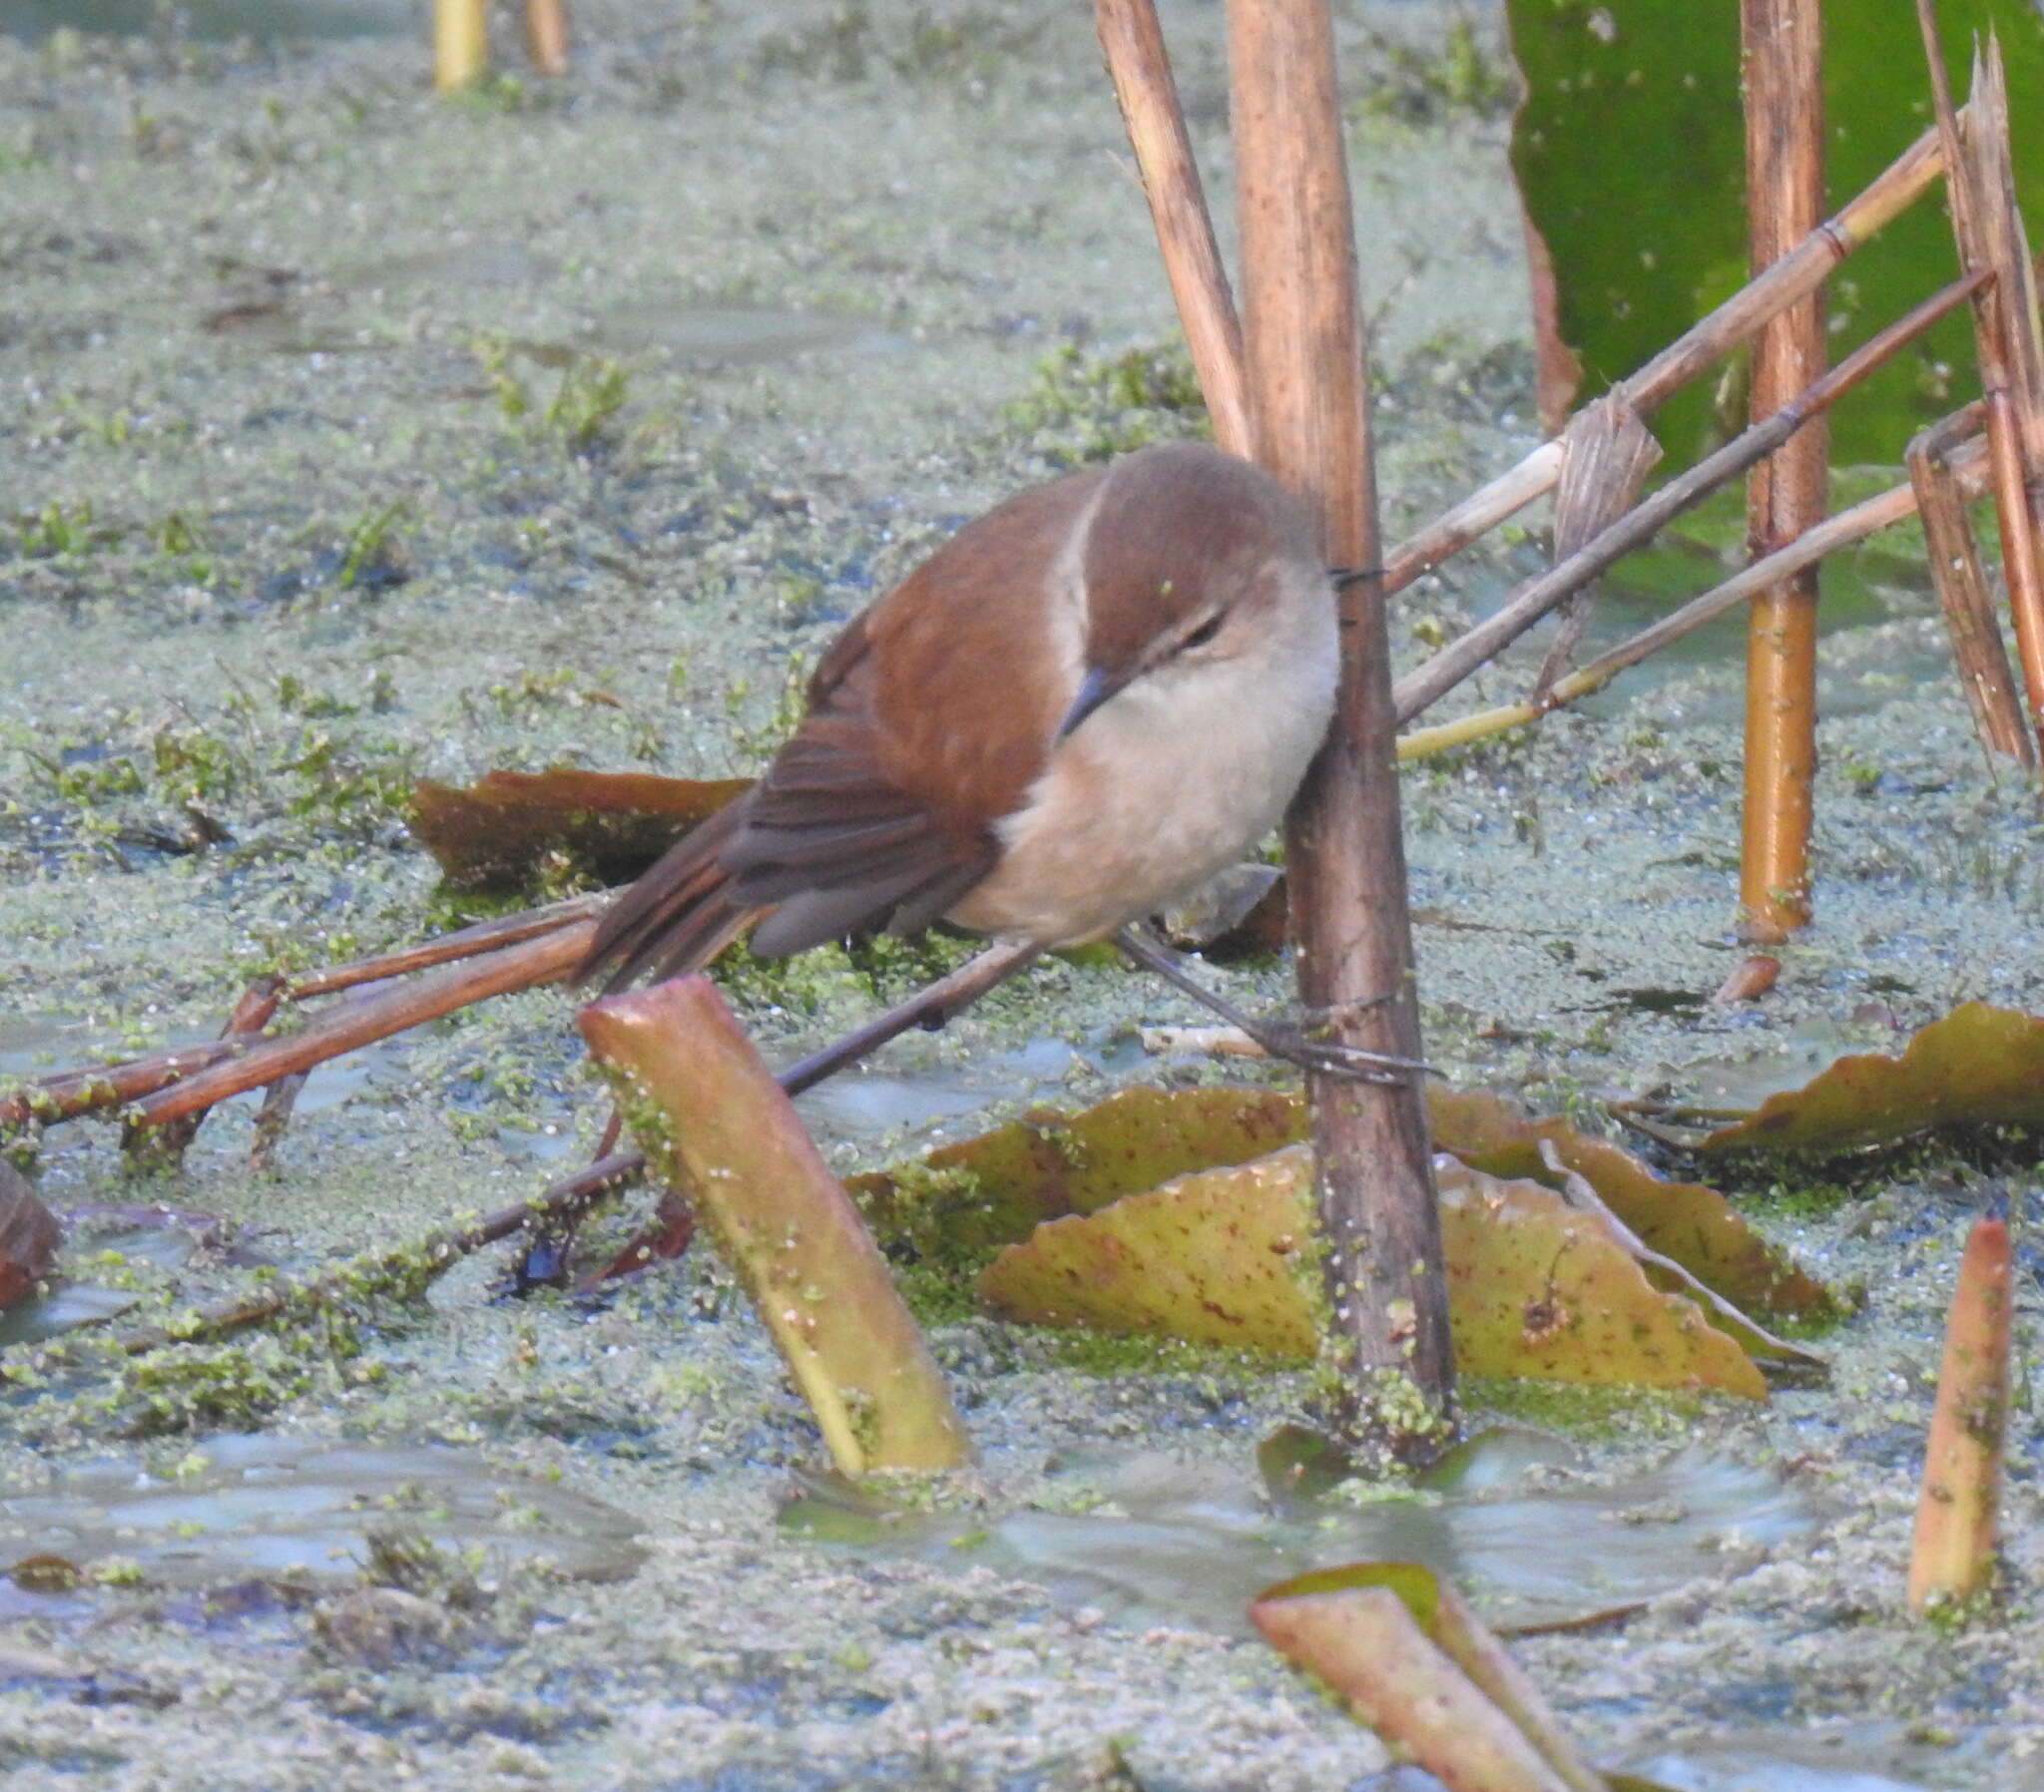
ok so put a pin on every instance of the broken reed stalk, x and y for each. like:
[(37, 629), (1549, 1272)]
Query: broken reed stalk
[(526, 965), (1366, 1646), (1989, 234), (1607, 453), (1842, 531), (1959, 1509), (1954, 555), (1802, 270), (1475, 1649), (1428, 683), (461, 42), (716, 1123), (70, 1094), (1344, 849), (546, 36), (1781, 43), (1140, 71)]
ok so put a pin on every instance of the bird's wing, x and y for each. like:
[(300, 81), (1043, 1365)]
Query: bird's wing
[(929, 718)]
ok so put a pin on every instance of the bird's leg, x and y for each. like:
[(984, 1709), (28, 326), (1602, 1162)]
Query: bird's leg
[(1280, 1039), (930, 1008)]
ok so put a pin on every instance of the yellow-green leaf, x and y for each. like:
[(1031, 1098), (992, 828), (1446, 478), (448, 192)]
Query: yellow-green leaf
[(1977, 1066), (1225, 1257)]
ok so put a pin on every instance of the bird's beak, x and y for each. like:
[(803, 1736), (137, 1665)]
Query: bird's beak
[(1094, 690)]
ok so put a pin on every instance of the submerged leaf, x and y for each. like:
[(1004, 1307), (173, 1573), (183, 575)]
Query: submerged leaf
[(1977, 1066), (1364, 1633), (1536, 1288), (508, 826)]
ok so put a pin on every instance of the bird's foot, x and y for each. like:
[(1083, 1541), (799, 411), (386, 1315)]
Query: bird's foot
[(1300, 1043), (1297, 1042)]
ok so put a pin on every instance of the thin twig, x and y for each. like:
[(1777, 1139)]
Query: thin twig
[(563, 1201), (1794, 275), (447, 948), (1427, 683), (526, 965), (1842, 531), (413, 1263)]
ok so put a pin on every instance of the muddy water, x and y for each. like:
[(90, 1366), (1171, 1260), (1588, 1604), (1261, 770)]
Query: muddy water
[(352, 435)]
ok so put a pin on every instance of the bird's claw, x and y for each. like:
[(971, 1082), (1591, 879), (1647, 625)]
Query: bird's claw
[(1329, 1057)]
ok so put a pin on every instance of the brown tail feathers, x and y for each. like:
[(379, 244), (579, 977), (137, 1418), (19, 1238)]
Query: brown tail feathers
[(679, 915)]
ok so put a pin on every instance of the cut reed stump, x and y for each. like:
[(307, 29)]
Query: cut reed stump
[(461, 42), (546, 36), (716, 1124), (1957, 1511), (1303, 340), (1782, 48)]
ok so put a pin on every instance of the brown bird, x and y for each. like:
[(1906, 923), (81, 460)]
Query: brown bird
[(1083, 706)]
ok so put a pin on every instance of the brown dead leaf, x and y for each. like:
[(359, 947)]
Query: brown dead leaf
[(505, 827), (29, 1236)]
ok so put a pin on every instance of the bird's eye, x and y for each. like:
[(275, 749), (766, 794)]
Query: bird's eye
[(1203, 633)]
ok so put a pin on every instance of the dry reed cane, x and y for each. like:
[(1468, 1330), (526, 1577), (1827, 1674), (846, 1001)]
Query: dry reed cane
[(1802, 270), (1431, 681), (1954, 555), (1781, 43), (1990, 235), (1866, 518), (1303, 340), (1135, 61)]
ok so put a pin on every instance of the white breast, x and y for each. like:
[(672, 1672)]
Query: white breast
[(1166, 783)]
